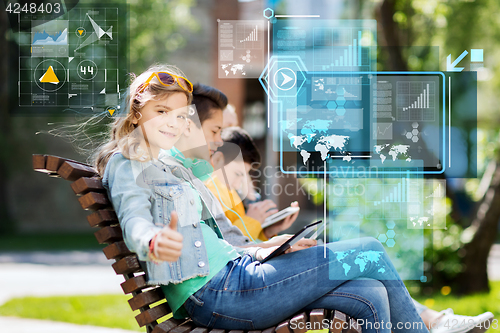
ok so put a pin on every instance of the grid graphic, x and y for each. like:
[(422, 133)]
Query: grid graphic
[(340, 49), (72, 63), (241, 48)]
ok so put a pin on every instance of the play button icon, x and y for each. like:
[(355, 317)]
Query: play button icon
[(285, 79)]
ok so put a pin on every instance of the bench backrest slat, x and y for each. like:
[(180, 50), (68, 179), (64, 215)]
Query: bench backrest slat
[(151, 315), (109, 234), (84, 185), (337, 321), (72, 171), (205, 330), (39, 162), (53, 163), (283, 327), (134, 284), (169, 325), (299, 322), (146, 298), (102, 218), (94, 201), (269, 330), (127, 265), (116, 250)]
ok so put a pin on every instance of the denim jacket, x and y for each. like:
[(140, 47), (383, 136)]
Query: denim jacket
[(232, 234), (143, 195)]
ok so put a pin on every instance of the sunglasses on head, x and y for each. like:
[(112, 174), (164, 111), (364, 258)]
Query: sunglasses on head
[(168, 79)]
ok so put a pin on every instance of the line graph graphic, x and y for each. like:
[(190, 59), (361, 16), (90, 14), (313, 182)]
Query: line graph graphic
[(416, 100), (49, 39), (382, 131), (45, 38)]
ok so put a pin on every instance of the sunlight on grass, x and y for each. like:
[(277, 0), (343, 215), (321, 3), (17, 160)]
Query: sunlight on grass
[(466, 305), (114, 311), (103, 310)]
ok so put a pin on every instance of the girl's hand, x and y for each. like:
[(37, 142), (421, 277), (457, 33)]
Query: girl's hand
[(276, 241), (304, 243), (169, 242), (283, 225), (262, 253)]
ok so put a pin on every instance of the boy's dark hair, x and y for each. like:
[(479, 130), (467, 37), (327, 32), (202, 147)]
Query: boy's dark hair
[(207, 98), (237, 136)]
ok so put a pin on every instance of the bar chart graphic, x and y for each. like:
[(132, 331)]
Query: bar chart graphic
[(247, 36), (400, 192), (350, 56), (252, 37), (416, 100), (390, 197), (341, 49)]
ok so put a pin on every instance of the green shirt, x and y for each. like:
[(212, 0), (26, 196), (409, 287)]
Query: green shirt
[(219, 253)]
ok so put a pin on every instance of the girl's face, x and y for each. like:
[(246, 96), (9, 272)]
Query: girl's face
[(163, 122)]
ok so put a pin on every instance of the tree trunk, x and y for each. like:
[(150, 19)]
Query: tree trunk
[(479, 238), (5, 221), (390, 39)]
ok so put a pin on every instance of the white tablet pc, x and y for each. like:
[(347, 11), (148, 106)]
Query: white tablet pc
[(276, 217)]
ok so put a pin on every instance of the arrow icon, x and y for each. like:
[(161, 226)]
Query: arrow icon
[(286, 79), (450, 67)]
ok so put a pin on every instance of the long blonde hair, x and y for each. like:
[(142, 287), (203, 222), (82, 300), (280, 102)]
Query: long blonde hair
[(120, 138)]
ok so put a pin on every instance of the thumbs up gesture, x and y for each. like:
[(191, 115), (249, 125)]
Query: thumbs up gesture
[(169, 241)]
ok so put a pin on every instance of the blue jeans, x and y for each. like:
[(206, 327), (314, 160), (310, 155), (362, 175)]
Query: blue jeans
[(248, 295)]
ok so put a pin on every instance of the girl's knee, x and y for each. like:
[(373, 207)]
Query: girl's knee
[(371, 243)]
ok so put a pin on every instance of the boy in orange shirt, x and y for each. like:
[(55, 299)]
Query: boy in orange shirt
[(231, 171)]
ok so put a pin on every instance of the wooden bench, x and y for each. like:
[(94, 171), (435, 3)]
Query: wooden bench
[(92, 196)]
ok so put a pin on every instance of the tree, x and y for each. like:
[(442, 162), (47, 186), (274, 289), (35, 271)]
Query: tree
[(5, 219), (455, 26)]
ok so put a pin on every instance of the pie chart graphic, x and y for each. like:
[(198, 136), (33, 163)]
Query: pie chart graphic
[(50, 75)]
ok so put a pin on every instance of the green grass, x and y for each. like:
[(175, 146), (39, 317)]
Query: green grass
[(48, 242), (114, 311), (103, 310), (467, 305)]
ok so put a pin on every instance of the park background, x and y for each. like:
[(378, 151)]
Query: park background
[(39, 217)]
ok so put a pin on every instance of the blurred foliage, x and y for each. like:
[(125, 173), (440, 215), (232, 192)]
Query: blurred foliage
[(157, 28), (49, 242), (429, 31), (103, 310)]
